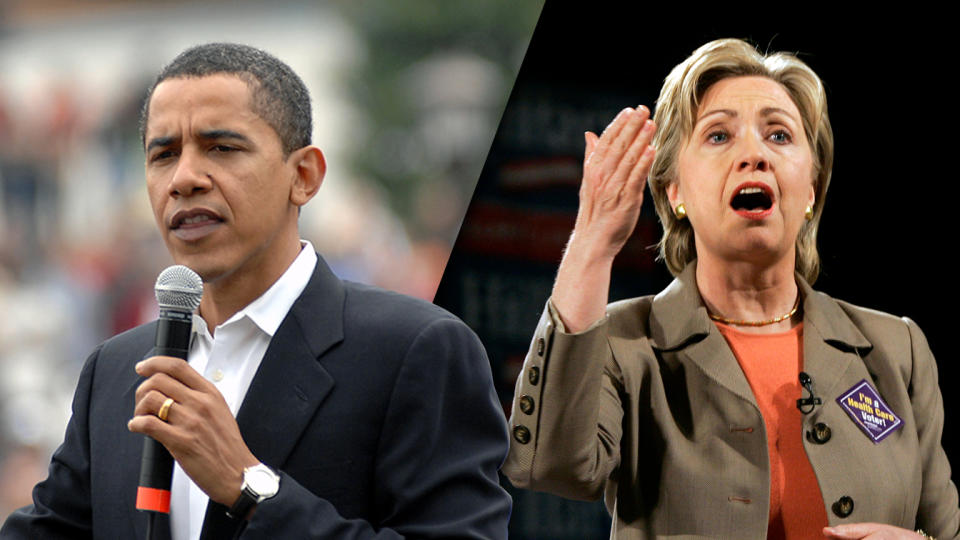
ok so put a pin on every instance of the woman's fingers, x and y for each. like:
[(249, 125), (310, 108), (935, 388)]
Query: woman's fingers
[(633, 168), (638, 176), (614, 174), (591, 139), (854, 531), (615, 143), (636, 119), (609, 159), (610, 133)]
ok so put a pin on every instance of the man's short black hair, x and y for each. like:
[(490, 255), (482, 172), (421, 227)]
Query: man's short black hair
[(278, 95)]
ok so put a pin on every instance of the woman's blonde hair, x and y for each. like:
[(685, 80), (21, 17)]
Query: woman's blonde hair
[(676, 114)]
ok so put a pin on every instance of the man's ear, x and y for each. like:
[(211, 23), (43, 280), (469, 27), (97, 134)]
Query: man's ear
[(310, 169)]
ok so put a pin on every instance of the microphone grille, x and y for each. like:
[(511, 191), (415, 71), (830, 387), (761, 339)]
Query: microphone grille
[(179, 288)]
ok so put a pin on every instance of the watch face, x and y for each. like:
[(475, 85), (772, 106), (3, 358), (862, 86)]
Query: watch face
[(262, 481)]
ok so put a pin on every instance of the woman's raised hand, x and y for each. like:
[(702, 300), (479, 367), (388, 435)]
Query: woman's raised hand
[(615, 169)]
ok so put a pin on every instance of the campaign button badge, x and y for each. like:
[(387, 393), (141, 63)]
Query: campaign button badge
[(868, 411)]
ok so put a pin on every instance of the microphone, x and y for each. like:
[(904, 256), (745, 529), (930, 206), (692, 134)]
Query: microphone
[(803, 403), (178, 291)]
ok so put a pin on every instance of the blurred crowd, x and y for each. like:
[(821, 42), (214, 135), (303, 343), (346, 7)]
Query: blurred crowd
[(78, 247)]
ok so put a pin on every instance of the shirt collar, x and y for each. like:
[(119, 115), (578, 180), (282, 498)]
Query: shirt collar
[(269, 310)]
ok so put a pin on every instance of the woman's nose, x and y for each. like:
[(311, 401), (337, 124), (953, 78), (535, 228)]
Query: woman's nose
[(189, 178), (753, 155)]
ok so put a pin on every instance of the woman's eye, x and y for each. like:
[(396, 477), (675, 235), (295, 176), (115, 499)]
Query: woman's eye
[(780, 137), (717, 137)]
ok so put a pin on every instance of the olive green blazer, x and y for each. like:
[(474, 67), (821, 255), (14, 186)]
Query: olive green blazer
[(651, 409)]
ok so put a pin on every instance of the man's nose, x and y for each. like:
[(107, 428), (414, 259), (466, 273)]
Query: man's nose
[(191, 176)]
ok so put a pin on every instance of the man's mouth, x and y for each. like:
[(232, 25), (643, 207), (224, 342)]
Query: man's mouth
[(753, 200), (194, 224), (196, 220)]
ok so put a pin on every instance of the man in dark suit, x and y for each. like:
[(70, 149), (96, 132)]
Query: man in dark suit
[(311, 407)]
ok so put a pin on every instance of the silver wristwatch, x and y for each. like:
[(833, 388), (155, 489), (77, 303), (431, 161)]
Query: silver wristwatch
[(259, 483)]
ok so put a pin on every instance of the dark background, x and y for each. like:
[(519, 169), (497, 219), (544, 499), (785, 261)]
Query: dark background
[(888, 227)]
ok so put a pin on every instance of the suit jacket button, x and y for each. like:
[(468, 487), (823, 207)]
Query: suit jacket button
[(820, 433), (540, 346), (526, 404), (533, 375), (843, 507), (521, 434)]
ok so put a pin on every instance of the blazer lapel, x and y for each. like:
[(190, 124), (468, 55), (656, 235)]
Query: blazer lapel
[(290, 383), (830, 341), (680, 323)]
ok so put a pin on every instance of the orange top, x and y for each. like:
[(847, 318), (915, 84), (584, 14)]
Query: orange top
[(772, 364)]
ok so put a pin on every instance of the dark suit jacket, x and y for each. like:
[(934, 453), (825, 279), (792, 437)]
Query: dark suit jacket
[(377, 409), (651, 409)]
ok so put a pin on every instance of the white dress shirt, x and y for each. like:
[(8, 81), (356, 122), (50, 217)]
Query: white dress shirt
[(229, 359)]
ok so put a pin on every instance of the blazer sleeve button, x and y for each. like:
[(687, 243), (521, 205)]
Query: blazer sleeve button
[(521, 434), (526, 404), (541, 345), (843, 507), (533, 375), (820, 433)]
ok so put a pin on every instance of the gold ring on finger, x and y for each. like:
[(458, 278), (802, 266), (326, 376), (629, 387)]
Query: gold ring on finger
[(165, 409)]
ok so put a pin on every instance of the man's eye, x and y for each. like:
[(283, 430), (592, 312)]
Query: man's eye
[(224, 148), (160, 156)]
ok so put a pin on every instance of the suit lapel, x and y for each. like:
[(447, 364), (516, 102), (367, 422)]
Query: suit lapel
[(290, 383), (680, 323), (714, 357), (830, 341)]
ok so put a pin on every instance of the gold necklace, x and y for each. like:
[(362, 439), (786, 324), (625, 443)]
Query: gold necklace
[(735, 322)]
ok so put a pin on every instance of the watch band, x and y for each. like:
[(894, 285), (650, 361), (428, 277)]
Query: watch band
[(247, 500), (259, 483)]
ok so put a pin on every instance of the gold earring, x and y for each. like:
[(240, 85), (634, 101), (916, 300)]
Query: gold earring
[(680, 211), (808, 213)]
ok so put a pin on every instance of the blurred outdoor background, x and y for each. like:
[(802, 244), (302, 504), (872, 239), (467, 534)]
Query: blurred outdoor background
[(406, 98)]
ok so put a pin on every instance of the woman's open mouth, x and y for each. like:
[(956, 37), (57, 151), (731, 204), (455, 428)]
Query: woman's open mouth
[(753, 200)]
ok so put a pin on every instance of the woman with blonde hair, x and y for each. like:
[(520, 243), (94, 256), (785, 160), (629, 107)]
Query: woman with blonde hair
[(738, 402)]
